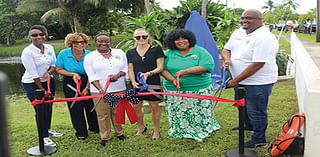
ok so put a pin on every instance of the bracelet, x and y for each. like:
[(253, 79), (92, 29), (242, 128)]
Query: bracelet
[(150, 73)]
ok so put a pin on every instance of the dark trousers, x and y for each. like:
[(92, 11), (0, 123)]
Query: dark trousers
[(77, 111), (47, 108), (256, 115)]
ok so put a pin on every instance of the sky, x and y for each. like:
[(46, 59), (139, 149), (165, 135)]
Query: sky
[(305, 5)]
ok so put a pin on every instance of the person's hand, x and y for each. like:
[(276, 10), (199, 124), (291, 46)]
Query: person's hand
[(47, 76), (76, 77), (232, 83), (182, 73), (145, 75), (114, 77), (226, 63), (135, 84), (174, 82), (85, 91)]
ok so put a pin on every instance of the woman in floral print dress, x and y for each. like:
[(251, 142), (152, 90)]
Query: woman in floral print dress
[(189, 118)]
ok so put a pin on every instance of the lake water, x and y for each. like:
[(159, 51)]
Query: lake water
[(14, 70)]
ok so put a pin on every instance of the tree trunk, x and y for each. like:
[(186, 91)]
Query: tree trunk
[(147, 6), (76, 23), (9, 35), (204, 9)]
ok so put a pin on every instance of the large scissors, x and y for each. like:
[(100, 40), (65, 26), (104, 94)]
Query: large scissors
[(76, 90), (103, 93), (145, 87), (223, 83)]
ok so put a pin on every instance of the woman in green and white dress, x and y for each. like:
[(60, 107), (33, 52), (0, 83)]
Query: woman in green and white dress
[(188, 117)]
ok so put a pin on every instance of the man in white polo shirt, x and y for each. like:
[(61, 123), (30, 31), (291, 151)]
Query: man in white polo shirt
[(251, 55)]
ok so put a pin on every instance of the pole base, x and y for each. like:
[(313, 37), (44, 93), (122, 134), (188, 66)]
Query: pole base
[(247, 153), (47, 150)]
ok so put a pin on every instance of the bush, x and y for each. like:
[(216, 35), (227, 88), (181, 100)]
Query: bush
[(282, 59)]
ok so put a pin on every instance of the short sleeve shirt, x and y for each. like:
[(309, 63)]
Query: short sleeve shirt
[(99, 68), (67, 61), (35, 63), (175, 62), (146, 63), (258, 46)]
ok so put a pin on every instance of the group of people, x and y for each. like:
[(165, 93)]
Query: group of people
[(252, 66)]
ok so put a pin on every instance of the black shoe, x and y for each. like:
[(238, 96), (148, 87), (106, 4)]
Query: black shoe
[(103, 142), (95, 131), (122, 137), (237, 128), (255, 144), (81, 137)]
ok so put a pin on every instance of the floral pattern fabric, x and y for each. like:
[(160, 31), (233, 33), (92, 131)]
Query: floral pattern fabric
[(191, 118)]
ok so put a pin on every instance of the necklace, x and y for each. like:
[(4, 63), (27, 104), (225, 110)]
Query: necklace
[(142, 52)]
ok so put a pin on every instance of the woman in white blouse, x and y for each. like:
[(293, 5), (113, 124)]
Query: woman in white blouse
[(39, 60), (100, 64)]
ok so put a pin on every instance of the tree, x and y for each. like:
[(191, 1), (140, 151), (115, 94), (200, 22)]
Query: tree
[(64, 7), (11, 23), (204, 9), (147, 5), (269, 6)]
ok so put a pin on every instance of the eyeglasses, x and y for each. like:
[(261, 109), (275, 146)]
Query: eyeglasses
[(79, 42), (35, 34), (248, 18), (143, 36)]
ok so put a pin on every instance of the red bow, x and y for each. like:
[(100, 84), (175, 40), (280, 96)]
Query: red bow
[(239, 103), (125, 106), (36, 101)]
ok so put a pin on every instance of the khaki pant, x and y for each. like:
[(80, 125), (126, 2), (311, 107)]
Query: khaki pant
[(107, 114)]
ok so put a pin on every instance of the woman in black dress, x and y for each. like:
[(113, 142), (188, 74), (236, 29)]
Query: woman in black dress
[(149, 60)]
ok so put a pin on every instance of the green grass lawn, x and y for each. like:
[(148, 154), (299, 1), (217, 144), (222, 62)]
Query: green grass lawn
[(301, 36), (23, 133)]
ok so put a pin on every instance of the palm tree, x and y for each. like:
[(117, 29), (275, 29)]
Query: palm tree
[(204, 9), (291, 4), (269, 6), (147, 5), (63, 7)]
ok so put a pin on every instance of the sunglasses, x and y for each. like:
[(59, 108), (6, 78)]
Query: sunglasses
[(79, 42), (35, 35), (248, 18), (143, 36)]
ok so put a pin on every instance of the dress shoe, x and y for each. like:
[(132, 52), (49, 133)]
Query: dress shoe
[(103, 142), (122, 137)]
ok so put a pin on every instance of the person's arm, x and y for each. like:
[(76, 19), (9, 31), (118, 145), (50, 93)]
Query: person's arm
[(132, 76), (157, 70), (64, 72), (226, 55), (167, 75), (250, 70), (193, 70)]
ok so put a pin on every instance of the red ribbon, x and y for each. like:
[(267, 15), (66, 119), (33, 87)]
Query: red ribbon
[(78, 84), (48, 86), (125, 106)]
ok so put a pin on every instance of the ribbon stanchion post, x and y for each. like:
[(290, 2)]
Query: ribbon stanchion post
[(41, 149), (241, 151), (4, 149)]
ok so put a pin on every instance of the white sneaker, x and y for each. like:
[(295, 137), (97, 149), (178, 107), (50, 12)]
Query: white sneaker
[(53, 133), (48, 142)]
